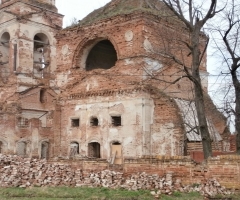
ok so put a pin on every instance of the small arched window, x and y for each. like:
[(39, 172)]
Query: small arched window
[(42, 96), (94, 121)]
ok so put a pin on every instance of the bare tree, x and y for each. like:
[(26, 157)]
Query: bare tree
[(229, 31), (194, 15)]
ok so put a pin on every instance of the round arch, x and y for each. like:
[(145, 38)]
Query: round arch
[(74, 148), (23, 147), (5, 36), (43, 34), (85, 46)]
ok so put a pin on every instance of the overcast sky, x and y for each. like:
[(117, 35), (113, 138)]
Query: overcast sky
[(77, 8)]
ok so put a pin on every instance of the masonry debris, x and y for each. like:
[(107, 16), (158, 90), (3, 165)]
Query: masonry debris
[(21, 172)]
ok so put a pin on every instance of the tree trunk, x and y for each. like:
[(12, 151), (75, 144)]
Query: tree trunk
[(198, 91), (237, 109)]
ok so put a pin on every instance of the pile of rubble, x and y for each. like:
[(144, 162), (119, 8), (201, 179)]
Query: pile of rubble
[(24, 172)]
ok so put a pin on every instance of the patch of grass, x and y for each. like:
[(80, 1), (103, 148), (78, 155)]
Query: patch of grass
[(71, 193), (183, 196)]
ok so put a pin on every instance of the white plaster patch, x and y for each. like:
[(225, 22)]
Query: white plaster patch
[(113, 131), (128, 61), (128, 35), (88, 87), (148, 46), (65, 50), (127, 141), (152, 65), (92, 83)]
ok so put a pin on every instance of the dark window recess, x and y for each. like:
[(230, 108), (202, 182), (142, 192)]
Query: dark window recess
[(1, 147), (75, 122), (116, 121), (94, 121), (43, 96)]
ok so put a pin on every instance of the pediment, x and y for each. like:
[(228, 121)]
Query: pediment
[(37, 98)]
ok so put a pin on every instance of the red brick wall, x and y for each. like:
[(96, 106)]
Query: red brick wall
[(225, 168)]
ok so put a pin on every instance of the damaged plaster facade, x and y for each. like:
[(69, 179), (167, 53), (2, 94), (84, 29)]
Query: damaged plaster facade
[(88, 90)]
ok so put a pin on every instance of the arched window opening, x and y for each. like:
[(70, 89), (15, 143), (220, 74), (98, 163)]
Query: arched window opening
[(94, 150), (42, 96), (44, 150), (41, 55), (4, 56), (22, 149), (74, 149), (102, 56), (94, 121)]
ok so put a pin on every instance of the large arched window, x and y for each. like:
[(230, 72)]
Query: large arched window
[(41, 55), (102, 56)]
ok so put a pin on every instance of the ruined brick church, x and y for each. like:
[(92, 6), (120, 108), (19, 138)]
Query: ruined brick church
[(98, 89)]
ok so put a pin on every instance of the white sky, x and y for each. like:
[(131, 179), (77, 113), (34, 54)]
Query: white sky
[(77, 8)]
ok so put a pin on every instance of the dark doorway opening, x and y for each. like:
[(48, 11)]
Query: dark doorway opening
[(44, 150), (94, 149)]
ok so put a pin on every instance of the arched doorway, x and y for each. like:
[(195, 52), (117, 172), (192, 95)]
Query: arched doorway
[(74, 149), (102, 56), (116, 153), (44, 150), (22, 149), (94, 150)]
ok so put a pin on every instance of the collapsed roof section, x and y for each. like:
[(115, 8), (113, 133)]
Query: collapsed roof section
[(189, 114)]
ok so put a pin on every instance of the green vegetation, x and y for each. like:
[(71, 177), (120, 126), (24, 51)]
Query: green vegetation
[(68, 193)]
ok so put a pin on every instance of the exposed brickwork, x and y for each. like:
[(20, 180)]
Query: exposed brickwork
[(56, 81)]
